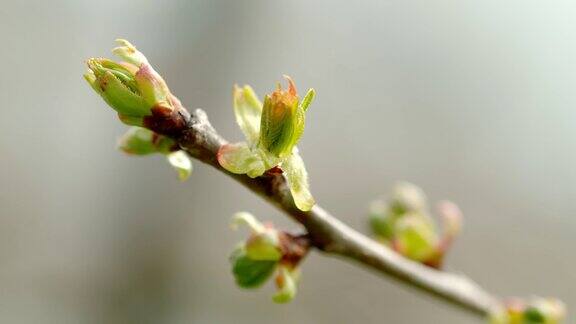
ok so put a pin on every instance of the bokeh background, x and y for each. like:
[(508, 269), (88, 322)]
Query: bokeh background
[(472, 100)]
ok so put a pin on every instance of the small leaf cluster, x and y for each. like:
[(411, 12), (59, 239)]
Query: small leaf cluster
[(131, 87), (136, 92), (255, 260), (142, 141), (536, 310), (404, 223), (272, 131)]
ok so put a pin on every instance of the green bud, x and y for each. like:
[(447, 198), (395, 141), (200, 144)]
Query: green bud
[(381, 222), (545, 310), (250, 273), (253, 261), (132, 88), (282, 121), (263, 243), (116, 86), (534, 316), (142, 141), (384, 220), (405, 224), (264, 246), (286, 284), (534, 311), (408, 197), (415, 238)]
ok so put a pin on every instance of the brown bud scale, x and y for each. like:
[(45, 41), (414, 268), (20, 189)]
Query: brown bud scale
[(167, 121), (294, 248)]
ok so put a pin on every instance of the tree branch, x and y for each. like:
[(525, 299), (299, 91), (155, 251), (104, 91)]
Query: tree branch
[(332, 236)]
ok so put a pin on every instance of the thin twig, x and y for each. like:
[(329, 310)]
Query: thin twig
[(332, 236)]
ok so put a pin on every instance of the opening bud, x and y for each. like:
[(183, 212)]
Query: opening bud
[(282, 121), (264, 241), (265, 251), (132, 88), (271, 135), (405, 224)]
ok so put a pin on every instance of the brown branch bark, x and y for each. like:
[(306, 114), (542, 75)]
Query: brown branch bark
[(330, 235)]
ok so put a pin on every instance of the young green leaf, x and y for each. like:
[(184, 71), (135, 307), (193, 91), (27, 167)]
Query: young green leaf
[(307, 99), (297, 178), (240, 159), (250, 273), (142, 141), (248, 111), (182, 163)]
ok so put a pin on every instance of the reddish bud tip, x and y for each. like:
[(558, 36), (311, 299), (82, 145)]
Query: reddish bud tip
[(291, 85)]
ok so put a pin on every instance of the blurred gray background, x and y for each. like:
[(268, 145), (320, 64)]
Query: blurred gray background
[(472, 100)]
